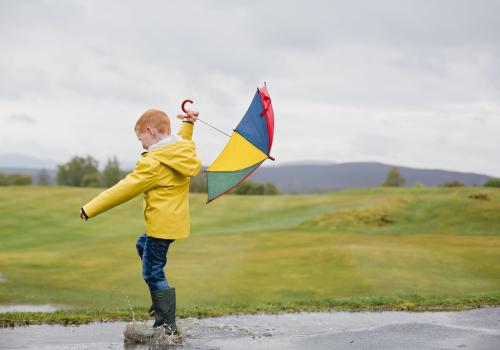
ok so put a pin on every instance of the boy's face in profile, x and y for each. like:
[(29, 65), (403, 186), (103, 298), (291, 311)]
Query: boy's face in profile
[(148, 137)]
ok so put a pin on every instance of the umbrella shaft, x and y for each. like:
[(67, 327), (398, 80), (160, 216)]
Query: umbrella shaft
[(214, 128)]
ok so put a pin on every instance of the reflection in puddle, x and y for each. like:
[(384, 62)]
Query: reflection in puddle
[(473, 329)]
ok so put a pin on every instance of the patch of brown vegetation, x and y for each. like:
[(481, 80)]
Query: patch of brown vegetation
[(480, 196), (360, 216)]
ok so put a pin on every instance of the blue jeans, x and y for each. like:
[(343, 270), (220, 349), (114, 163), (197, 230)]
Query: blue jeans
[(153, 253)]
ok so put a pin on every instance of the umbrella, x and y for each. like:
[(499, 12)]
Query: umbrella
[(248, 147)]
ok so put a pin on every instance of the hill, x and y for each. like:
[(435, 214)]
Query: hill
[(295, 177), (354, 249), (306, 178)]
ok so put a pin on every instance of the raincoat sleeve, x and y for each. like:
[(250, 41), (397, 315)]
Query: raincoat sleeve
[(139, 181), (186, 131)]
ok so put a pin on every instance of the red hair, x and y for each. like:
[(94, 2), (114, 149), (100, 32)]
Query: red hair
[(153, 118)]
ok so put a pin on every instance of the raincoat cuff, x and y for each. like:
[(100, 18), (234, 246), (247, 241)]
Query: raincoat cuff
[(84, 213)]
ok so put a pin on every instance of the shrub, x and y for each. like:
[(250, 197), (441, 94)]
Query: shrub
[(198, 183), (15, 179), (480, 196), (111, 173), (91, 180), (79, 171), (3, 179), (394, 178), (252, 187), (493, 182), (453, 183)]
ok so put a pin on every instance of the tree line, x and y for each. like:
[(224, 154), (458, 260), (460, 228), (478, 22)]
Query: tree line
[(394, 179), (15, 179), (199, 184), (84, 172)]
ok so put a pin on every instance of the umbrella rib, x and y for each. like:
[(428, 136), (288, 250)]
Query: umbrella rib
[(214, 127), (226, 191)]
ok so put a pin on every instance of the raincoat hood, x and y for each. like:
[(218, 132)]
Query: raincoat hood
[(176, 153)]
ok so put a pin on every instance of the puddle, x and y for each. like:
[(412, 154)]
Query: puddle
[(474, 329), (29, 308)]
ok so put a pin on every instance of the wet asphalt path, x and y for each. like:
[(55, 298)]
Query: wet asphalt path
[(474, 329)]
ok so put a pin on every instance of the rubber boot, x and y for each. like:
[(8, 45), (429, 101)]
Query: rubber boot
[(164, 307)]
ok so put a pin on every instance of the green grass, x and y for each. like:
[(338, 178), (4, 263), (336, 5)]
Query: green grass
[(360, 249)]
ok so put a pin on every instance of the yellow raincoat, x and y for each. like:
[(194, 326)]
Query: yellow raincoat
[(163, 176)]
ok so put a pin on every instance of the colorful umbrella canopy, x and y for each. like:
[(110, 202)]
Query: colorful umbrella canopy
[(248, 147)]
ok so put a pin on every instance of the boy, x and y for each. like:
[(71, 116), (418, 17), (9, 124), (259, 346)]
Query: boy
[(162, 174)]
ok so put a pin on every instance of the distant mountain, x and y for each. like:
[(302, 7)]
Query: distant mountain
[(34, 173), (13, 160), (310, 178), (302, 162), (293, 177)]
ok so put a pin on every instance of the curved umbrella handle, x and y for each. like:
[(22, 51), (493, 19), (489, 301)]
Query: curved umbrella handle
[(184, 103)]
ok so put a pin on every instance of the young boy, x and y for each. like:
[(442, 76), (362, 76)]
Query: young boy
[(162, 174)]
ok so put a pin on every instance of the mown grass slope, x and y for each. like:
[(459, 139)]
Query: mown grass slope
[(380, 247)]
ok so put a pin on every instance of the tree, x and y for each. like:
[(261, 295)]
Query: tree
[(3, 179), (19, 180), (256, 188), (15, 179), (252, 187), (394, 178), (111, 173), (199, 183), (493, 182), (91, 180), (43, 177), (243, 188), (78, 172), (454, 183), (271, 188)]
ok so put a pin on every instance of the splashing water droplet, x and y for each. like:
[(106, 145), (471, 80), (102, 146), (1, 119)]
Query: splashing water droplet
[(130, 306)]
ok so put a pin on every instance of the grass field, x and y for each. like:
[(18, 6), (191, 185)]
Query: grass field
[(388, 248)]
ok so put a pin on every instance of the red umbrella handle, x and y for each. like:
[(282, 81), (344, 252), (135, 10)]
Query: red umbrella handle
[(183, 105)]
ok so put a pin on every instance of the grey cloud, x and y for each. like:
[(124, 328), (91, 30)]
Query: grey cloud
[(347, 62), (23, 82), (242, 42), (401, 23), (21, 118)]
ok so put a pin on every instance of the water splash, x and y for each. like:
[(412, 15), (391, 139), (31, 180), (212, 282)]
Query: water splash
[(143, 333), (130, 306)]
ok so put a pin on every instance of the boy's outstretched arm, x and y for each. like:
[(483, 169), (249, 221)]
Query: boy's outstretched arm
[(186, 131), (139, 181)]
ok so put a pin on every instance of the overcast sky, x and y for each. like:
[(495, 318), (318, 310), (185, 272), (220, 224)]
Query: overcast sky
[(413, 83)]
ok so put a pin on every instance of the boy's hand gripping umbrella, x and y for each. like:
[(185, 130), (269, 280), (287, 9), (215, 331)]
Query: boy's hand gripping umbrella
[(248, 146)]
